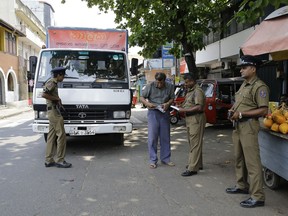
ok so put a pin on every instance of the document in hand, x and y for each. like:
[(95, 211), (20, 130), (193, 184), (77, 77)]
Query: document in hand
[(159, 107), (174, 107)]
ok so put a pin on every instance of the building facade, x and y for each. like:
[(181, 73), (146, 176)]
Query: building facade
[(22, 35), (222, 52)]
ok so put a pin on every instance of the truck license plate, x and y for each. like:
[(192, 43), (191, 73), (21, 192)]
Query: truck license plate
[(81, 132)]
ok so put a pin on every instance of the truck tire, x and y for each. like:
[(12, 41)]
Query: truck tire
[(45, 137), (271, 179), (118, 139)]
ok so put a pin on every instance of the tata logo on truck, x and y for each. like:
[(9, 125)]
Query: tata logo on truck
[(82, 106)]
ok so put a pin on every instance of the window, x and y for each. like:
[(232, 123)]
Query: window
[(208, 89), (85, 66), (10, 83), (10, 42)]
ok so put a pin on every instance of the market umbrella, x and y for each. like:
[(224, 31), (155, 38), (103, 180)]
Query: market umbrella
[(271, 36)]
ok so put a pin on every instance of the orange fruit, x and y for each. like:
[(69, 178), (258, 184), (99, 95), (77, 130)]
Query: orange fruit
[(267, 122), (275, 127), (283, 128)]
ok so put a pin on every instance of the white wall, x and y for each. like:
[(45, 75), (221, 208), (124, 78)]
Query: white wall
[(7, 11), (226, 48)]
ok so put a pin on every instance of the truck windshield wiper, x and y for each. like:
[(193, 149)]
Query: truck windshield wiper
[(68, 77)]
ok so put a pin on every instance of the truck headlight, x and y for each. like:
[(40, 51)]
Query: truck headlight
[(42, 115)]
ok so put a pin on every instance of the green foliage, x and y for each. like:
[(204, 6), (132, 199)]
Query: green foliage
[(152, 23), (251, 10)]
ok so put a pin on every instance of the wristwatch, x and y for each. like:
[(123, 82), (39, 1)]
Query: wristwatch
[(240, 115)]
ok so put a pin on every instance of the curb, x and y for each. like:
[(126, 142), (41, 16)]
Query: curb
[(15, 113)]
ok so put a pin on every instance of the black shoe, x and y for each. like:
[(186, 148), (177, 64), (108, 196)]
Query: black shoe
[(188, 173), (200, 168), (236, 190), (51, 164), (63, 164), (251, 203)]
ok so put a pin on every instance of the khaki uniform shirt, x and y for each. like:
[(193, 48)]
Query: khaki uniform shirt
[(251, 95), (194, 96), (51, 88)]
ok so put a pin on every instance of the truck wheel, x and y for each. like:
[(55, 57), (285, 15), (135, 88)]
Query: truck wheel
[(173, 120), (45, 137), (118, 139), (271, 179)]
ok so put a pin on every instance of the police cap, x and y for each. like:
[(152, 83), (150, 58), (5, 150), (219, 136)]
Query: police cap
[(248, 60), (59, 70)]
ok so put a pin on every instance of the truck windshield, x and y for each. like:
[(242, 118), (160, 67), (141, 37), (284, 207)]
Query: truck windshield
[(84, 66)]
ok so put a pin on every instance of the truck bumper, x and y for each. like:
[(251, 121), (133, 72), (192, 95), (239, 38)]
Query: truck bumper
[(87, 129)]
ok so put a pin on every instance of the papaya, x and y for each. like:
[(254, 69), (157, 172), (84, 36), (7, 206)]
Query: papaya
[(283, 128), (275, 127)]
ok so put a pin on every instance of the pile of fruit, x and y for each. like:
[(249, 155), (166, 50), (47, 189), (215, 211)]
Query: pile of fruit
[(277, 121)]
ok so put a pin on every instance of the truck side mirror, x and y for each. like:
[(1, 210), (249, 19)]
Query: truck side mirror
[(32, 64), (134, 66)]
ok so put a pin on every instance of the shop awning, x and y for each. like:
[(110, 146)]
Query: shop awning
[(271, 36)]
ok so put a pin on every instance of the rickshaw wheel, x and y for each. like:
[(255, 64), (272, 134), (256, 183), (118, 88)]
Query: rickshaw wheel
[(271, 179), (173, 120)]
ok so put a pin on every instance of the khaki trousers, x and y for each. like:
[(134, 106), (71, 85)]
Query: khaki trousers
[(248, 166), (195, 130), (57, 135)]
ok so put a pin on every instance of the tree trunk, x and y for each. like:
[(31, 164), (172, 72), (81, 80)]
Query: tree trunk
[(189, 58)]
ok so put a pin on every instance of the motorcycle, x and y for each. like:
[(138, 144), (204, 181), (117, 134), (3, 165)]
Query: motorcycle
[(175, 116)]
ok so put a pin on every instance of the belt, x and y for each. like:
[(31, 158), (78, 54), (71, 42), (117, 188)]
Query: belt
[(50, 108), (192, 113), (247, 119)]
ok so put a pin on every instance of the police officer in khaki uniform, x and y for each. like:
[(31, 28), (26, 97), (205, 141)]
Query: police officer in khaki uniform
[(56, 122), (193, 106), (252, 101)]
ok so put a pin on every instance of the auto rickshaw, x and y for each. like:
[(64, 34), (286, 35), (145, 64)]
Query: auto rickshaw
[(220, 97)]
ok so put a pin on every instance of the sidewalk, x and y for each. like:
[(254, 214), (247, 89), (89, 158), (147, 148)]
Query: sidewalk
[(15, 109)]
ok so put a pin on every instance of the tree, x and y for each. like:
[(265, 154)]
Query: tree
[(251, 10), (153, 23)]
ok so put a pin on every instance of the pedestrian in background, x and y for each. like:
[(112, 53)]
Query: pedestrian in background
[(157, 97), (194, 106), (252, 100), (56, 122)]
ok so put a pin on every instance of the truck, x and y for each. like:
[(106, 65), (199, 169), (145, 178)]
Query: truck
[(96, 92)]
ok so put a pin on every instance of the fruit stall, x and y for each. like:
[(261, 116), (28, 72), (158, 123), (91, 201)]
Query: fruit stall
[(271, 37), (273, 144)]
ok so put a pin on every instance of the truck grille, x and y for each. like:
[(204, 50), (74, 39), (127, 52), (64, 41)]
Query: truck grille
[(85, 114)]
